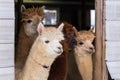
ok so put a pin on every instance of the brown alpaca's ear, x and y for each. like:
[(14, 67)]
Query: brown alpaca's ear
[(76, 32), (60, 27), (40, 28), (22, 8)]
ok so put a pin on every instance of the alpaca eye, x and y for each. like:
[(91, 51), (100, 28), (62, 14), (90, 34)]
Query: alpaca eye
[(47, 41), (29, 21), (81, 43)]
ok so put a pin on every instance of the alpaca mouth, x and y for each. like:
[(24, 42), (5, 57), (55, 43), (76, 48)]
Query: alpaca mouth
[(90, 51), (58, 52)]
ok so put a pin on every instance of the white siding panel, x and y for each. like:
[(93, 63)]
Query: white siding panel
[(113, 30), (114, 69), (7, 10), (6, 55), (112, 12), (112, 51), (7, 31), (113, 9), (7, 73), (6, 1)]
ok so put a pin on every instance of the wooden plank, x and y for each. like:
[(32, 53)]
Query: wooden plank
[(112, 9), (7, 31), (114, 69), (113, 51), (7, 10), (7, 73), (99, 72), (6, 55), (112, 30)]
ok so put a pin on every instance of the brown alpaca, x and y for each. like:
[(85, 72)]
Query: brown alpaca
[(59, 67), (83, 53), (28, 33), (42, 54)]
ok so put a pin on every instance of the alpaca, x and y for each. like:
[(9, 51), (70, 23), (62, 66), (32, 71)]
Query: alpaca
[(45, 49), (83, 53), (28, 33), (59, 67)]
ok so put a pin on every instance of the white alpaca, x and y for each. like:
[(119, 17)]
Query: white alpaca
[(83, 53), (42, 54)]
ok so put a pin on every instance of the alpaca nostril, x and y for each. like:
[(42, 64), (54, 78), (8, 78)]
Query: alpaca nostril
[(91, 48), (59, 48), (73, 40)]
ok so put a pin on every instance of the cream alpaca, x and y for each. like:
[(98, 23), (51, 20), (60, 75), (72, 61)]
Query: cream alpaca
[(83, 53), (42, 54)]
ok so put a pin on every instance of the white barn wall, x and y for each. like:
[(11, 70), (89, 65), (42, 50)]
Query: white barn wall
[(112, 9), (112, 30), (6, 1), (7, 19), (114, 69), (7, 31), (7, 55), (6, 10), (112, 51)]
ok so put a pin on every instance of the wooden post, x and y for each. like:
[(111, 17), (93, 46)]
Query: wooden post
[(100, 72)]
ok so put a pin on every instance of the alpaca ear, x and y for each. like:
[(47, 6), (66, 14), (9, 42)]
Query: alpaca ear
[(76, 32), (43, 7), (40, 28), (23, 8), (92, 29), (61, 27)]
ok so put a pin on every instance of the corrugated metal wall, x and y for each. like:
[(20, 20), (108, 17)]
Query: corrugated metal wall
[(112, 9), (7, 18)]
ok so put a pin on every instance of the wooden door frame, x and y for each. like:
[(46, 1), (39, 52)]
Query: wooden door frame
[(100, 70)]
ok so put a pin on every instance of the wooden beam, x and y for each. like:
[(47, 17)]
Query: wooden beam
[(100, 72)]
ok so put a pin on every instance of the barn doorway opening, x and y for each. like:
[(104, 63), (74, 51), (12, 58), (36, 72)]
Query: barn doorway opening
[(80, 13)]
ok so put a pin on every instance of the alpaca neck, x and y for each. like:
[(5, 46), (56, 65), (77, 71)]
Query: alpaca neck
[(22, 34), (37, 69), (38, 63), (85, 65), (23, 47)]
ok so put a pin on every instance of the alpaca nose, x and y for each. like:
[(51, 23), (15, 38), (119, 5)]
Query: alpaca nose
[(73, 42), (91, 48), (59, 48)]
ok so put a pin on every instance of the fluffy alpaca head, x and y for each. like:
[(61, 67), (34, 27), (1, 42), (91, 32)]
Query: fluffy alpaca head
[(69, 33), (50, 38), (85, 42), (30, 19)]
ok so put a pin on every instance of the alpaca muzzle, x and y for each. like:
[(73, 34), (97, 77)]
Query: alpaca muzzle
[(73, 42)]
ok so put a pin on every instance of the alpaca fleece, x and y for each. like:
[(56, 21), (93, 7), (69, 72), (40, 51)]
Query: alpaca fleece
[(59, 67)]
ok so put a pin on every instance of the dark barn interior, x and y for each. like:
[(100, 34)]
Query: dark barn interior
[(76, 12)]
